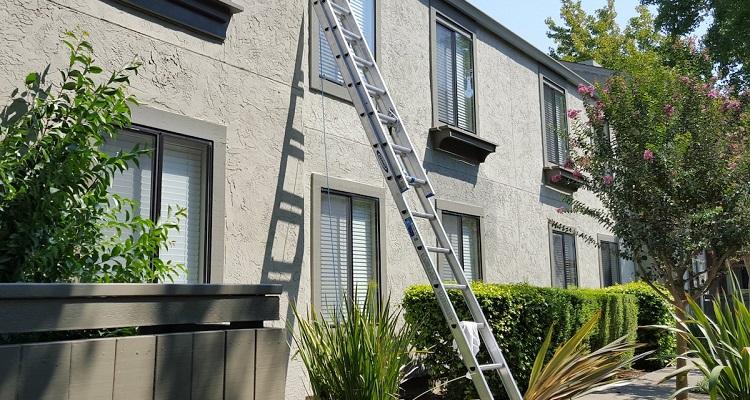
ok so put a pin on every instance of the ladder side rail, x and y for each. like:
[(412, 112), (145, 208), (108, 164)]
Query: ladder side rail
[(354, 82)]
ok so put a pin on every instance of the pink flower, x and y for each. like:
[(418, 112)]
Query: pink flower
[(560, 210), (568, 163), (669, 110), (648, 155), (731, 104), (685, 79), (578, 174), (573, 114), (608, 179), (586, 89), (556, 178), (732, 165), (713, 94)]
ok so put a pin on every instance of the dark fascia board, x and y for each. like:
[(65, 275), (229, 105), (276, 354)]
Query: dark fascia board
[(516, 41), (207, 17), (466, 145)]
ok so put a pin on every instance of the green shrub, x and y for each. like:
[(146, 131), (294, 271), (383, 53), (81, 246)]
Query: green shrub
[(652, 310), (520, 316)]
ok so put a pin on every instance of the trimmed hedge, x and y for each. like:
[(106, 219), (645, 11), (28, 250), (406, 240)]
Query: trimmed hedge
[(520, 316), (652, 310)]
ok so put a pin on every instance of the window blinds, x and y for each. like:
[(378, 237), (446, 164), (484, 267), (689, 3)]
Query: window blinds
[(364, 14), (555, 125), (564, 262), (463, 233), (455, 78), (610, 254), (135, 182), (348, 249), (182, 185)]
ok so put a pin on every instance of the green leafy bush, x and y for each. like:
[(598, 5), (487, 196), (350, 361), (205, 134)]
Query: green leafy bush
[(652, 310), (520, 316), (58, 221)]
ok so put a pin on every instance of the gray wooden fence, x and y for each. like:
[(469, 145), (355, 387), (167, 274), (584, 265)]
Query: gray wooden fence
[(206, 342)]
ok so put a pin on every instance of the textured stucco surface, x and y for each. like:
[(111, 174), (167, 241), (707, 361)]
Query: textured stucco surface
[(256, 84)]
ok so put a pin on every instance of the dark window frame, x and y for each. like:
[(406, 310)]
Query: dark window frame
[(157, 167), (350, 253), (566, 272), (547, 83), (618, 268), (460, 250)]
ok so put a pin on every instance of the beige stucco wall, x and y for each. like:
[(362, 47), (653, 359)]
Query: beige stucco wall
[(256, 84)]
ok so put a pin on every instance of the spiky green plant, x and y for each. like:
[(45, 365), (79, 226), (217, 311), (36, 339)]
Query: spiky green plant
[(720, 346), (574, 370), (358, 354)]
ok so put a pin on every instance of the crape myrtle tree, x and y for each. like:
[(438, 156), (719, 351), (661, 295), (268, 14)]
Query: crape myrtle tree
[(667, 155), (58, 220)]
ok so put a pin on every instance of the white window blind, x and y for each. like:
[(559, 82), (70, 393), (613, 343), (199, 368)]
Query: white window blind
[(555, 125), (610, 255), (135, 182), (455, 78), (348, 249), (182, 185), (364, 14), (463, 233), (564, 262)]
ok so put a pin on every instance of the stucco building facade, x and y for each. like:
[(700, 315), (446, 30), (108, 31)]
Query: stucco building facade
[(267, 143)]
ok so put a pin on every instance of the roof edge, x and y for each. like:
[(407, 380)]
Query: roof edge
[(515, 40)]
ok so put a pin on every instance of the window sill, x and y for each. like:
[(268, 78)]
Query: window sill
[(465, 145), (207, 17), (561, 178)]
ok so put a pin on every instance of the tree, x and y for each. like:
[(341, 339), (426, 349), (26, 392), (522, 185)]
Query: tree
[(668, 156), (727, 37), (598, 36), (58, 221)]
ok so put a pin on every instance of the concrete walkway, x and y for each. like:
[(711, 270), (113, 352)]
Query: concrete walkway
[(646, 387)]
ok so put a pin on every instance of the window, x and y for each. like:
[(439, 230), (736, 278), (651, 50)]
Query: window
[(610, 258), (174, 174), (349, 243), (555, 125), (464, 235), (454, 76), (324, 64), (564, 263)]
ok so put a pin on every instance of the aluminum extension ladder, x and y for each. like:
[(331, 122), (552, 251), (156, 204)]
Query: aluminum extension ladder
[(404, 174)]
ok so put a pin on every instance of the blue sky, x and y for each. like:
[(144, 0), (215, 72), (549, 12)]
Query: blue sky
[(526, 17)]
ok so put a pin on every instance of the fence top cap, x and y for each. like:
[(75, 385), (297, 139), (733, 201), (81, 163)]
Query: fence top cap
[(68, 290)]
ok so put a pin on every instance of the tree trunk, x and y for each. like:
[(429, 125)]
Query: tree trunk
[(680, 304)]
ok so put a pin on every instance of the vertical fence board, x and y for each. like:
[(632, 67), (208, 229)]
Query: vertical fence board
[(10, 359), (272, 355), (134, 368), (45, 371), (174, 353), (92, 365), (239, 377), (208, 365)]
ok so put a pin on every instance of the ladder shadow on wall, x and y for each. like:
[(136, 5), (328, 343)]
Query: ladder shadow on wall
[(287, 226)]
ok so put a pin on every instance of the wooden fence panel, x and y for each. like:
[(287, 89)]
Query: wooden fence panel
[(45, 371), (134, 368), (272, 356), (240, 366), (92, 365), (174, 354), (10, 360), (208, 365)]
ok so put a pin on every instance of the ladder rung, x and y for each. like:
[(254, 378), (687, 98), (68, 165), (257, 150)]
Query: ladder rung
[(351, 36), (423, 215), (489, 367), (362, 62), (453, 286), (339, 9), (374, 90), (438, 249), (415, 181), (401, 149), (387, 119)]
